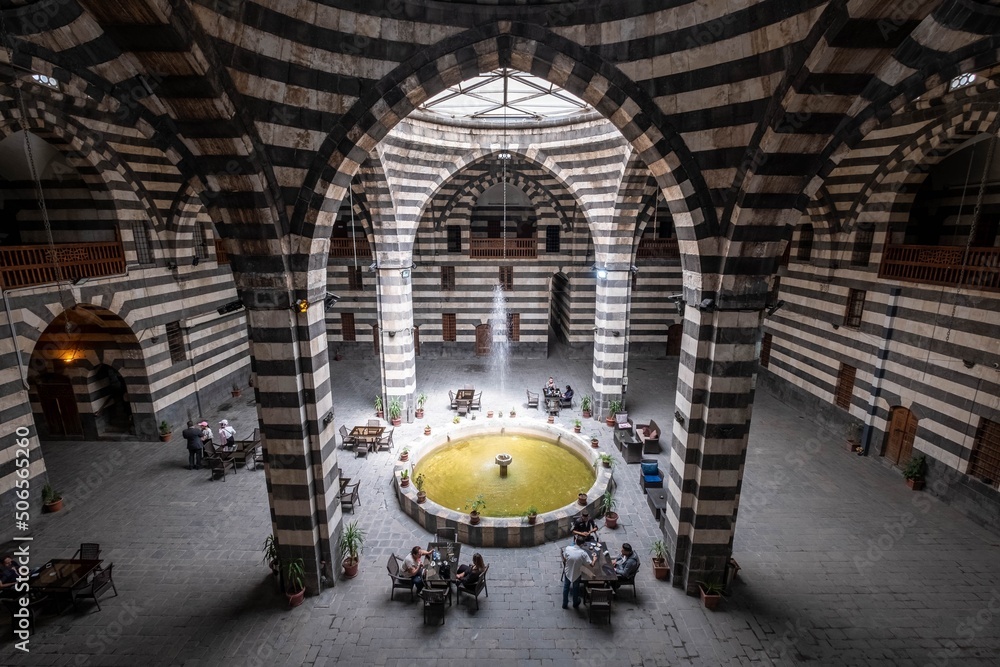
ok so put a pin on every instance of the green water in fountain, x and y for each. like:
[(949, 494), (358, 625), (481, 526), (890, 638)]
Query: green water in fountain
[(542, 473)]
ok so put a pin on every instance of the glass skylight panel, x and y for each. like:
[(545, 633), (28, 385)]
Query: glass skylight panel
[(505, 93)]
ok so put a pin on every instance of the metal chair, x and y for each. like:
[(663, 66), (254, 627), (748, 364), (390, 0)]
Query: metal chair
[(446, 534), (100, 582), (349, 496), (628, 581), (398, 580), (375, 422), (476, 402), (478, 588), (451, 398), (88, 551), (532, 399), (385, 442), (600, 603), (434, 601), (346, 440), (218, 462)]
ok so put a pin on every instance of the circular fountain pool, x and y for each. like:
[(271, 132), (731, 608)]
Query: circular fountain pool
[(548, 468)]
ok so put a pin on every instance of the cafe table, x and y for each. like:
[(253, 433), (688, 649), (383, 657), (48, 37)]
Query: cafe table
[(463, 397), (61, 575), (366, 435), (601, 571)]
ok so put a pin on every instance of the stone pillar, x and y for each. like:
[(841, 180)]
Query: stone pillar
[(715, 390), (396, 354), (292, 386), (611, 328)]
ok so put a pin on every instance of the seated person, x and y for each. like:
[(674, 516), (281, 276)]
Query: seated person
[(550, 388), (8, 575), (568, 394), (625, 565), (468, 575), (412, 567), (585, 527)]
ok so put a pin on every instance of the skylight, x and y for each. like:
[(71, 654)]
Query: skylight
[(505, 93), (961, 81), (45, 80)]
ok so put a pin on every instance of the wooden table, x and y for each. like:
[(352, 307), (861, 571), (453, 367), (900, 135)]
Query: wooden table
[(61, 575), (604, 569), (463, 397), (450, 554), (368, 437)]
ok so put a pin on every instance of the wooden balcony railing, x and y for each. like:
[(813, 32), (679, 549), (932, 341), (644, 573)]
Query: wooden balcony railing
[(25, 265), (942, 265), (658, 249), (347, 247), (500, 248)]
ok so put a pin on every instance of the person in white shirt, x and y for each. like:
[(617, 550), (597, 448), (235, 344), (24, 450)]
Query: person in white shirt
[(413, 569), (574, 558), (227, 436)]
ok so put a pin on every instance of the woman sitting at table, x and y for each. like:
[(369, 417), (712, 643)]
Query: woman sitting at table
[(468, 575), (568, 394)]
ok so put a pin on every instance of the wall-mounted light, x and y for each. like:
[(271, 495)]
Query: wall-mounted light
[(707, 305), (330, 301), (616, 334), (230, 307), (328, 417), (172, 266), (678, 416), (301, 306), (771, 310), (601, 272), (404, 273), (194, 262), (373, 266), (392, 334)]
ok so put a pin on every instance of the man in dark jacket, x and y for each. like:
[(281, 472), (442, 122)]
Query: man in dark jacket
[(194, 444)]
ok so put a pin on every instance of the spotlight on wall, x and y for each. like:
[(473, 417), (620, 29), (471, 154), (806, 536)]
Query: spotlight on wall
[(616, 334), (373, 266), (172, 266), (328, 417), (301, 306), (194, 262), (771, 310), (330, 301), (601, 272), (707, 305), (392, 334), (968, 363), (404, 273), (678, 416)]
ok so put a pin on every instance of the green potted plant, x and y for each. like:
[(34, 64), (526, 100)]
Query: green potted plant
[(421, 399), (404, 478), (711, 593), (418, 482), (914, 472), (295, 581), (660, 568), (594, 441), (614, 407), (577, 426), (237, 390), (51, 499), (352, 542), (395, 410), (608, 505), (606, 459), (581, 497), (475, 505), (404, 454), (165, 431), (379, 412), (585, 404), (271, 556), (513, 413), (531, 514)]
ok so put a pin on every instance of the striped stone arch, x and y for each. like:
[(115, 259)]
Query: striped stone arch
[(362, 209), (125, 189), (529, 48), (909, 164), (636, 195), (529, 185)]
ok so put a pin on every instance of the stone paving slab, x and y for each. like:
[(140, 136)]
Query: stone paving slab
[(842, 564)]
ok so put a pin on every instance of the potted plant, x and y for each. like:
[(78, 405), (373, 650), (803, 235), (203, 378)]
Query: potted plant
[(582, 497), (352, 541), (404, 455), (614, 407), (585, 404), (577, 426), (270, 551), (489, 414), (854, 436), (295, 581), (51, 499), (552, 419), (606, 459), (395, 411), (594, 442), (914, 472), (711, 593), (660, 568), (418, 482), (237, 390), (608, 505), (404, 478), (531, 514), (165, 431), (475, 505), (378, 407), (421, 399), (427, 429), (456, 419), (512, 412)]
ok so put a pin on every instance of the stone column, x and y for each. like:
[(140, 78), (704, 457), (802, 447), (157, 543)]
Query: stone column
[(611, 328), (396, 354), (292, 386), (715, 390)]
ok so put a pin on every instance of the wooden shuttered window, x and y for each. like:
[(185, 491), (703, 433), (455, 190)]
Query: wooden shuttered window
[(765, 350), (985, 461), (175, 342), (447, 278), (347, 330), (514, 327), (805, 243), (855, 308), (354, 280), (506, 277), (448, 328), (845, 386)]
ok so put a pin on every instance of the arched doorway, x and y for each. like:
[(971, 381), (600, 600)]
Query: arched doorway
[(899, 439), (112, 411), (559, 308), (484, 340), (57, 400), (675, 332)]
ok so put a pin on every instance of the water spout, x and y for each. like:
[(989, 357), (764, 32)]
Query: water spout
[(500, 343)]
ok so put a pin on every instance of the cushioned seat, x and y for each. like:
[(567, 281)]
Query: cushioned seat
[(650, 476)]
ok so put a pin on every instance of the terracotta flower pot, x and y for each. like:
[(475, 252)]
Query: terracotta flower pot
[(404, 482), (421, 497), (396, 421), (660, 569), (610, 421), (552, 419), (582, 499), (532, 518), (419, 413), (595, 443), (165, 437), (54, 506), (427, 430), (915, 484), (489, 414), (586, 414), (711, 601), (405, 456), (295, 599), (611, 520), (577, 429), (474, 518), (350, 567)]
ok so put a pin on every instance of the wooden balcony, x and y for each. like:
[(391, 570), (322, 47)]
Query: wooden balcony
[(942, 265), (658, 249), (347, 248), (25, 265), (480, 248)]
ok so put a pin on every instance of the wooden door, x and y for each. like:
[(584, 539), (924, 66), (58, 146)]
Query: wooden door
[(902, 432), (674, 335), (58, 402), (375, 338), (484, 340), (416, 341)]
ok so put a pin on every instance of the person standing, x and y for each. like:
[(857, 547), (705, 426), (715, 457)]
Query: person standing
[(206, 434), (574, 558), (193, 436), (227, 436)]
